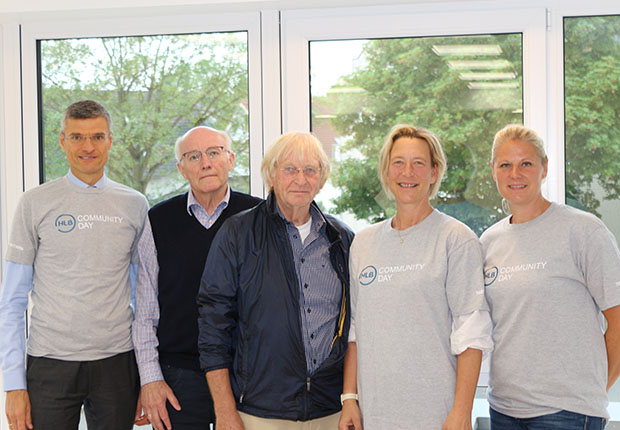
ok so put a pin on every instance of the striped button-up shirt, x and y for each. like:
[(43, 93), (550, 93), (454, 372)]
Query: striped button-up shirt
[(320, 290)]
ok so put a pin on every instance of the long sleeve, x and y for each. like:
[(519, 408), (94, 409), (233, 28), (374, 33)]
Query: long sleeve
[(217, 303), (16, 285), (146, 318)]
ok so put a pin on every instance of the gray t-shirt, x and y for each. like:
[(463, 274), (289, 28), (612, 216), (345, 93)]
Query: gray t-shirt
[(80, 242), (546, 282), (403, 300)]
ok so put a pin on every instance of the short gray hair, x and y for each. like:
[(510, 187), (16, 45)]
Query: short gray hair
[(85, 109), (179, 141)]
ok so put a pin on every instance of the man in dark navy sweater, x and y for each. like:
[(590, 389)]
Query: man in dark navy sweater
[(173, 250)]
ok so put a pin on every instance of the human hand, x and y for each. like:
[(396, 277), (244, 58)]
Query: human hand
[(140, 418), (228, 421), (351, 416), (153, 397), (457, 420), (18, 410)]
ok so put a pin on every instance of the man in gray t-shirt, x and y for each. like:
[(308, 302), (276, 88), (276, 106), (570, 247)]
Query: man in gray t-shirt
[(73, 247)]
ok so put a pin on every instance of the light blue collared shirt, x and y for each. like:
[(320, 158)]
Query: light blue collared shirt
[(144, 328), (16, 285), (77, 181), (194, 208)]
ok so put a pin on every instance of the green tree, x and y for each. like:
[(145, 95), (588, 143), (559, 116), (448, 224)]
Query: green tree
[(404, 81), (592, 111), (156, 88)]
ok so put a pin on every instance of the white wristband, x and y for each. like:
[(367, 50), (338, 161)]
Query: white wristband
[(348, 396)]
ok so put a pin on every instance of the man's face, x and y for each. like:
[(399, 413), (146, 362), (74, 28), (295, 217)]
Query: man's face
[(206, 175), (86, 143), (294, 189)]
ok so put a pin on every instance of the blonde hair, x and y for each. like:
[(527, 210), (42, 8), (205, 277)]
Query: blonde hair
[(438, 158), (519, 132), (298, 144)]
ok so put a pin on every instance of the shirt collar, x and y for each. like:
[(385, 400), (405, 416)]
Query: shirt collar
[(315, 215), (76, 181), (191, 200)]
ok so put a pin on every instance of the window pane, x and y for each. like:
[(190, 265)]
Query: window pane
[(592, 115), (156, 88), (464, 89)]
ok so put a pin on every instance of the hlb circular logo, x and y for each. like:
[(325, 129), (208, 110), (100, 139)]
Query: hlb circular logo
[(368, 275), (65, 223), (490, 275)]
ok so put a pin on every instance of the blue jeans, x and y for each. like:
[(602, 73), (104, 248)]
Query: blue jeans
[(191, 389), (563, 420)]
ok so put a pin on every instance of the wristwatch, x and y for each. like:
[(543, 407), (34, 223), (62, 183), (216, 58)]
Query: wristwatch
[(348, 396)]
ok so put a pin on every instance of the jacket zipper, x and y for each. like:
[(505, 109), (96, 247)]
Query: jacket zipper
[(343, 311)]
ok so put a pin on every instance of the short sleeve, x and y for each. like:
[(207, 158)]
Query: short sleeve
[(464, 280), (354, 287), (23, 241), (602, 268)]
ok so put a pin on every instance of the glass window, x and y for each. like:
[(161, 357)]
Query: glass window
[(463, 89), (156, 88), (592, 128), (592, 116)]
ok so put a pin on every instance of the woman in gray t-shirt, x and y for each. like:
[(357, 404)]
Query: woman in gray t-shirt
[(416, 281), (549, 272)]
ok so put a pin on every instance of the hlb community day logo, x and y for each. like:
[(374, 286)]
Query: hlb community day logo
[(66, 223), (370, 273), (505, 273)]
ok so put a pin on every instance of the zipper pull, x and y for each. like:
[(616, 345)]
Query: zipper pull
[(308, 383), (241, 398)]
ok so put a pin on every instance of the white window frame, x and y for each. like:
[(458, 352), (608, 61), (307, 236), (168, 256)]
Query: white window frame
[(11, 182), (301, 27), (556, 150), (298, 28), (78, 28), (19, 118)]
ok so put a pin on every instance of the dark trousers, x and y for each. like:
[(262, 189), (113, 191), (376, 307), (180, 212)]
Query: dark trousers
[(107, 388), (191, 389), (563, 420)]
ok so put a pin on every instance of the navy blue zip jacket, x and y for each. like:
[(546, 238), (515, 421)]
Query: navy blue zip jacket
[(249, 317)]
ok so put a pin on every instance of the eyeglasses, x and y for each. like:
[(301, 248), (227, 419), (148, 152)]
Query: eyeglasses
[(78, 139), (212, 153), (292, 171)]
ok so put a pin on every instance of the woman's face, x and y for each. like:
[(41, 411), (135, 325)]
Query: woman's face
[(519, 171), (410, 172)]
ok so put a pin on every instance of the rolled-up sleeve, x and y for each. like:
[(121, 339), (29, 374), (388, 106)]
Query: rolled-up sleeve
[(472, 330)]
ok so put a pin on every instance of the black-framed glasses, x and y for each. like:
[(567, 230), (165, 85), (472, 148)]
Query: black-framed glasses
[(212, 153)]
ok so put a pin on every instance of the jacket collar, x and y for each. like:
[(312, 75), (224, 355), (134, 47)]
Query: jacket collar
[(333, 234)]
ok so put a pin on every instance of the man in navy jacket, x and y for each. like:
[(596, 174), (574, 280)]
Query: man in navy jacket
[(274, 301), (173, 249)]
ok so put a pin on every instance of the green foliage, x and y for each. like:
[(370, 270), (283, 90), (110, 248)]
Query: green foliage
[(156, 88), (404, 81), (592, 81)]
